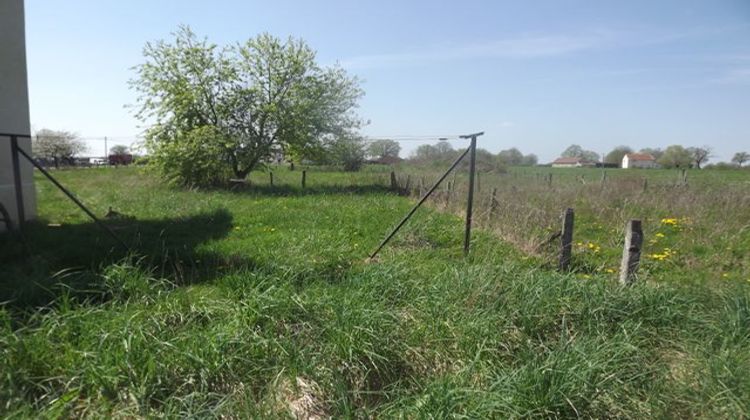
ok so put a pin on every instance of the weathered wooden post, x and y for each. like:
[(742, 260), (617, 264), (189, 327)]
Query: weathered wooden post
[(604, 177), (270, 175), (631, 253), (549, 180), (304, 178), (407, 188), (645, 184), (493, 201), (394, 183), (566, 240)]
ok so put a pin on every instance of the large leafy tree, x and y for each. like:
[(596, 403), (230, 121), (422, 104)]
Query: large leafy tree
[(57, 146), (740, 157), (655, 152), (383, 148), (616, 155), (577, 151), (510, 157), (676, 156), (232, 108)]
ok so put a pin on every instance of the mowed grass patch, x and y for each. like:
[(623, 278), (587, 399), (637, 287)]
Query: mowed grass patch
[(286, 318)]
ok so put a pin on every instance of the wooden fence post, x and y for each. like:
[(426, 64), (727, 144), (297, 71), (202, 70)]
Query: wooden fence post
[(645, 184), (270, 174), (631, 253), (394, 184), (304, 178), (566, 240), (549, 180), (493, 201)]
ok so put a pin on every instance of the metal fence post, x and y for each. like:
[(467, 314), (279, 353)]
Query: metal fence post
[(18, 185)]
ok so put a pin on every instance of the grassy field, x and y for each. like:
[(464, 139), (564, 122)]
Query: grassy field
[(696, 231), (259, 302)]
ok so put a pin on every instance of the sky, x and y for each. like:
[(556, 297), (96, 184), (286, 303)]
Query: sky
[(536, 75)]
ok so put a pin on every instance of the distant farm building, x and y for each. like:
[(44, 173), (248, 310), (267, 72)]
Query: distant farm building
[(572, 162), (639, 160)]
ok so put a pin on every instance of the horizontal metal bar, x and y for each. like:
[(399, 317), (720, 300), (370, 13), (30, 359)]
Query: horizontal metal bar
[(15, 135)]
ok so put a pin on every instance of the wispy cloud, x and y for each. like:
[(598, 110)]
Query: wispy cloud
[(545, 45), (525, 47), (736, 76)]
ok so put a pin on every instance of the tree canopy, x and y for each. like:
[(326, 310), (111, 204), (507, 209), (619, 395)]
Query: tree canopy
[(740, 157), (383, 148), (616, 155), (676, 156), (56, 145), (514, 157), (700, 155), (655, 152), (231, 108), (577, 151), (119, 150)]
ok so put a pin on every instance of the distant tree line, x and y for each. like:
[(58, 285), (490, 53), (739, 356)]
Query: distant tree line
[(674, 156)]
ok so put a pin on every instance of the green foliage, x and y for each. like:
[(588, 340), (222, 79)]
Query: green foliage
[(616, 155), (197, 157), (676, 156), (511, 157), (258, 98), (514, 157), (577, 151), (385, 148), (347, 152), (655, 152)]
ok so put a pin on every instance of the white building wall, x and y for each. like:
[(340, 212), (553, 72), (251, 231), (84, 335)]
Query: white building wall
[(14, 108)]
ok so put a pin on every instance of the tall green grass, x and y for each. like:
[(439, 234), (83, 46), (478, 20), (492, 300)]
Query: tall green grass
[(255, 304)]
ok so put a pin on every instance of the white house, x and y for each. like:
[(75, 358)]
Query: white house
[(639, 160), (14, 110)]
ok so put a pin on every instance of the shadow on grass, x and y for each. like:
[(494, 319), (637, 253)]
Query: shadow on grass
[(289, 190), (70, 258)]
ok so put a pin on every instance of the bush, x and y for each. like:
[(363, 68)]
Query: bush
[(193, 158)]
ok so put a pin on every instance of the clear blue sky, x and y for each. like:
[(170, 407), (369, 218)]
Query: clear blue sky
[(537, 75)]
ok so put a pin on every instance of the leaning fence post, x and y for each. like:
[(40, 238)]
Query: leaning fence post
[(631, 253), (566, 240), (304, 178)]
